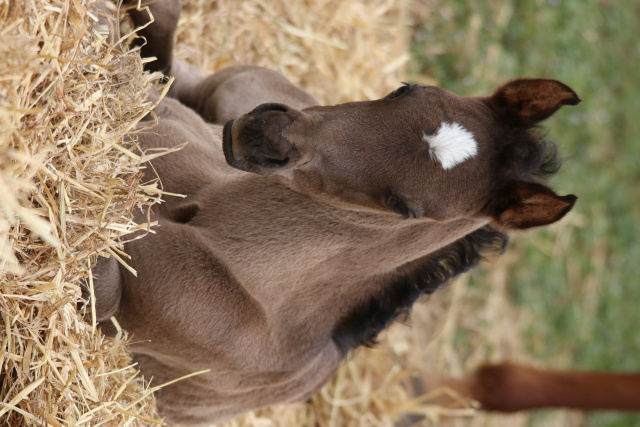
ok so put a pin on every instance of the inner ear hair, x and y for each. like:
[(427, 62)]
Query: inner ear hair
[(522, 205)]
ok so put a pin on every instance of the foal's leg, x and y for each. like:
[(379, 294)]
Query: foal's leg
[(225, 95), (157, 38), (234, 91)]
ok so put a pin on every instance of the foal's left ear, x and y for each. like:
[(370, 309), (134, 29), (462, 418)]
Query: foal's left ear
[(526, 102), (525, 205)]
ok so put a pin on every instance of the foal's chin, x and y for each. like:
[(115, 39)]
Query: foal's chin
[(227, 148)]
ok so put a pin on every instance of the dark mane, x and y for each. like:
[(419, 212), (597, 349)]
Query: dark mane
[(365, 322)]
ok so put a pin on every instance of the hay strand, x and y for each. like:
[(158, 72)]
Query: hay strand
[(69, 182)]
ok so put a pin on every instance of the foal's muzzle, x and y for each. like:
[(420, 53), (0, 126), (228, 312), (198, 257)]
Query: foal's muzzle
[(255, 143)]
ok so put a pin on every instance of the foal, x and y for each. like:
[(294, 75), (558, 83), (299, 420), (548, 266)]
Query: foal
[(308, 229)]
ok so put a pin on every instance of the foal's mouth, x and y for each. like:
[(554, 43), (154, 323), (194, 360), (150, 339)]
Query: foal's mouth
[(227, 148)]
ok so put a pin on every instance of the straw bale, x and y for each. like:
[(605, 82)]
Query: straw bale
[(69, 182), (338, 50)]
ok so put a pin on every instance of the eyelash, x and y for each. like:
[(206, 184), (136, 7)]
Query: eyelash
[(400, 208), (402, 90)]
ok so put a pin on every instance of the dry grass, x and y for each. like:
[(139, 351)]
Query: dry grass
[(70, 179), (338, 50)]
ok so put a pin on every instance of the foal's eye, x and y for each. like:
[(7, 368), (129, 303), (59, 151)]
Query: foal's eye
[(406, 87), (400, 208)]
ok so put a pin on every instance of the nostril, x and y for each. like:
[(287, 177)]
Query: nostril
[(272, 106)]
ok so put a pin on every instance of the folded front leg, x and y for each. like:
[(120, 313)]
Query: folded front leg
[(234, 91)]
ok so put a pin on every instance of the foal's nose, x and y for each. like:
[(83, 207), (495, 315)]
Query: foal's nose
[(255, 143)]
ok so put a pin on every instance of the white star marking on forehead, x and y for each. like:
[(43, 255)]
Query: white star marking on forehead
[(451, 144)]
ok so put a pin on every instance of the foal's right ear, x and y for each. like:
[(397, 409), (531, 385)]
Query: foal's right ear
[(526, 102), (523, 205)]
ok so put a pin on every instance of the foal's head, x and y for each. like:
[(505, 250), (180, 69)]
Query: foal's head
[(420, 153)]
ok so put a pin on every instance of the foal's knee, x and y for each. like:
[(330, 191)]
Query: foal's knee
[(187, 79)]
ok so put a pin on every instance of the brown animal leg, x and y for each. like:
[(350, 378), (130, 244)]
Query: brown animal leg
[(236, 90), (509, 387), (157, 38)]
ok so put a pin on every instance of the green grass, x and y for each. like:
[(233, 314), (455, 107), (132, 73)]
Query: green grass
[(580, 279)]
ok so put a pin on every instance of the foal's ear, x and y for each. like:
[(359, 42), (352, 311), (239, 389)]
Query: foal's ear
[(527, 204), (526, 102)]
